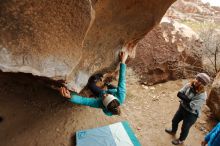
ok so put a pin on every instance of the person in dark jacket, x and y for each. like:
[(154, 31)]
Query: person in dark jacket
[(109, 100), (192, 97), (213, 137)]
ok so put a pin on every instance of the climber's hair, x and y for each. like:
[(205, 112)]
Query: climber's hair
[(113, 107)]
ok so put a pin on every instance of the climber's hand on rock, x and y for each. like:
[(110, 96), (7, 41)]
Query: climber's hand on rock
[(123, 56), (65, 92), (203, 143)]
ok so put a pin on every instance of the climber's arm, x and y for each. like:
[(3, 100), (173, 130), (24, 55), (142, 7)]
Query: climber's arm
[(74, 98)]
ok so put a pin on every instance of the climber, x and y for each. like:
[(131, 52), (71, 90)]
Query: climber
[(109, 100), (213, 137), (192, 97)]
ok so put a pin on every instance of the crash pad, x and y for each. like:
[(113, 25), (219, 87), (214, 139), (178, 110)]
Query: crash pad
[(117, 134)]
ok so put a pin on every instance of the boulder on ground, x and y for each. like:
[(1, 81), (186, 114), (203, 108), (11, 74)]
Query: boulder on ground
[(70, 40), (213, 100), (168, 52)]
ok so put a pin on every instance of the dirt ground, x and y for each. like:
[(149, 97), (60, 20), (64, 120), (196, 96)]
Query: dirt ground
[(38, 116)]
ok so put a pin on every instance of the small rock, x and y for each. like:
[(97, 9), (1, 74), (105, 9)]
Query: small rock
[(202, 129), (155, 98), (145, 102), (202, 122), (145, 87), (138, 128), (137, 108), (41, 131), (152, 88), (146, 108)]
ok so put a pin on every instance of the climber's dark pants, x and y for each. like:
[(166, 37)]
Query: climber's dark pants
[(110, 86), (96, 90), (188, 120)]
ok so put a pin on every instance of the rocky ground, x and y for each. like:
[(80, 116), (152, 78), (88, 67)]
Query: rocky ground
[(38, 116)]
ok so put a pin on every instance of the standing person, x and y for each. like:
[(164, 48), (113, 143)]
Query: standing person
[(108, 100), (213, 137), (192, 97)]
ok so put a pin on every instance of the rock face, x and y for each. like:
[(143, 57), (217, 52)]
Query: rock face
[(213, 100), (167, 52), (71, 39)]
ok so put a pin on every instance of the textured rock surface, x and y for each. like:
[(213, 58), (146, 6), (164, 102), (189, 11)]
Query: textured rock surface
[(213, 100), (71, 39), (167, 52)]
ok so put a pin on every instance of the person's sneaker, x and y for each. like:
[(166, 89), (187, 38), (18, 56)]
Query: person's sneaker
[(177, 142), (170, 131)]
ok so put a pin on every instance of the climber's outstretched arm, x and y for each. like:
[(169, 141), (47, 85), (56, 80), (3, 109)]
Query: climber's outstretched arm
[(74, 98), (121, 90)]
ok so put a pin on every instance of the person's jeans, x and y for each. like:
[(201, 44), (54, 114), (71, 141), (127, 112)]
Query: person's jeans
[(188, 120), (96, 90)]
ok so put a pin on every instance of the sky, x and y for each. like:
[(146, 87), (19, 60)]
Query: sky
[(212, 2)]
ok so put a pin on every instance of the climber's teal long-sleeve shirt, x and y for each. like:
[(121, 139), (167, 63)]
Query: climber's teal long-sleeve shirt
[(213, 137), (119, 93)]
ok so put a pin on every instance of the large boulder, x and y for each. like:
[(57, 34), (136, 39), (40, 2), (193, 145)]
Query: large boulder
[(71, 39), (167, 52), (213, 100)]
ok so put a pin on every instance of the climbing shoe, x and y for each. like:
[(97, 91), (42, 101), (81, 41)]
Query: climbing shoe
[(170, 131), (177, 142)]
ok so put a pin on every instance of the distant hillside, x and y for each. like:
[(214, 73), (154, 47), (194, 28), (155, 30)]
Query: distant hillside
[(195, 11)]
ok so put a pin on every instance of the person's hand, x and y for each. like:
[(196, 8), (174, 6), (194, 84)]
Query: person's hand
[(203, 143), (65, 92), (123, 56)]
